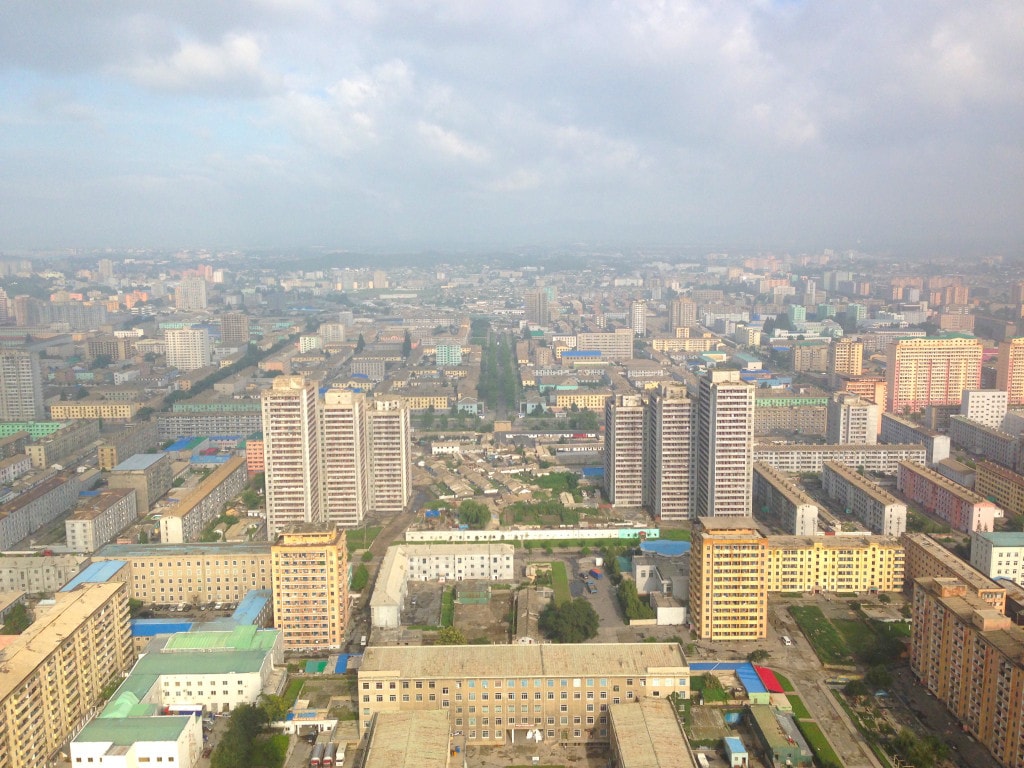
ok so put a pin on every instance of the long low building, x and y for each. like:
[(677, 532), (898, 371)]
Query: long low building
[(498, 694), (27, 513), (981, 440), (431, 562), (38, 573), (797, 459), (170, 574), (961, 507), (900, 430), (867, 501), (186, 520), (781, 500), (1003, 486), (648, 735)]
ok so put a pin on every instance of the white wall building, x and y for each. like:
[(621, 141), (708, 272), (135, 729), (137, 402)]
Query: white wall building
[(998, 554), (987, 406), (188, 349), (99, 517)]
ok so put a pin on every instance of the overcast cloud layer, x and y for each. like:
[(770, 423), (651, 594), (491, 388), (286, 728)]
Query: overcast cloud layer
[(437, 124)]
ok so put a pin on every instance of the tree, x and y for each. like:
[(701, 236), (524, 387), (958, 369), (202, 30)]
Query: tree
[(17, 620), (632, 605), (758, 657), (856, 688), (573, 622), (450, 636), (360, 344), (360, 578), (407, 345), (878, 677), (274, 707), (474, 514)]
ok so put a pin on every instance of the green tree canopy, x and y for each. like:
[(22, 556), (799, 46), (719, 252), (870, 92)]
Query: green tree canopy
[(474, 514), (571, 622), (450, 636)]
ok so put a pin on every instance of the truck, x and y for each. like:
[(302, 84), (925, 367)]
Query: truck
[(330, 755), (596, 573), (317, 757)]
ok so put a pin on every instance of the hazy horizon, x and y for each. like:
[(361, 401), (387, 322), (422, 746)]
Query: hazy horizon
[(437, 125)]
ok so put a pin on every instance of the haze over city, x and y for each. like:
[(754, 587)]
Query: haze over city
[(403, 126)]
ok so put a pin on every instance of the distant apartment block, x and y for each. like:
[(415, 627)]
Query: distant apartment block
[(985, 406), (150, 474), (624, 450), (931, 371), (845, 358), (724, 445), (617, 345), (798, 459), (21, 386), (668, 490), (779, 500), (91, 408), (28, 512), (38, 573), (1010, 370), (980, 440), (186, 520), (188, 349), (878, 509), (171, 426), (852, 419), (138, 437), (961, 507), (390, 451), (776, 414), (69, 439), (1003, 486), (99, 517), (899, 430), (291, 446)]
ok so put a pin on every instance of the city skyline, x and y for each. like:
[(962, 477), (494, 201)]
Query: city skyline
[(272, 125)]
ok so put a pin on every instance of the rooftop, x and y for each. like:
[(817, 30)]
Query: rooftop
[(95, 573), (139, 462), (648, 735), (1002, 538), (127, 551), (582, 660), (123, 732), (407, 739), (246, 638), (94, 504), (43, 636)]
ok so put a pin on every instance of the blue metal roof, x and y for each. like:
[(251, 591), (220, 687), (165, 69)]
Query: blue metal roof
[(734, 746), (153, 627), (744, 670), (180, 445), (96, 573), (139, 461), (252, 604)]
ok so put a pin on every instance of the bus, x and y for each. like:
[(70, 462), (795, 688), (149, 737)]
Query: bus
[(317, 758), (330, 755)]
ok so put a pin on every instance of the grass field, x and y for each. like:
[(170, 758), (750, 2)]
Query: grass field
[(828, 644), (361, 538), (291, 693), (560, 582), (823, 751), (448, 607), (858, 636), (713, 692), (800, 711), (675, 534)]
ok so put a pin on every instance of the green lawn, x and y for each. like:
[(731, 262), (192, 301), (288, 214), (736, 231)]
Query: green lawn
[(291, 693), (823, 751), (560, 582), (361, 538), (675, 534), (712, 693), (822, 634), (448, 607), (858, 636), (799, 709)]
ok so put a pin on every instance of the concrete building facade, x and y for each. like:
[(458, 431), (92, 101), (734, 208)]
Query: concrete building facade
[(961, 507), (21, 386), (186, 520), (780, 500), (310, 583), (668, 481), (99, 518), (624, 450), (931, 371), (724, 445), (878, 509), (150, 474)]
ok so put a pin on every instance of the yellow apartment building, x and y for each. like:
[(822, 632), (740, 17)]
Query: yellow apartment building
[(310, 582), (52, 675), (925, 557), (969, 656), (94, 409), (1003, 486)]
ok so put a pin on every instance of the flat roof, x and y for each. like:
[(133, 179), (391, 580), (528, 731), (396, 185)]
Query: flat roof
[(731, 523), (409, 740), (648, 735), (127, 551), (125, 731), (962, 492), (95, 573), (35, 644), (509, 661), (153, 627), (855, 478), (1003, 538), (252, 605), (247, 638), (139, 462), (92, 504)]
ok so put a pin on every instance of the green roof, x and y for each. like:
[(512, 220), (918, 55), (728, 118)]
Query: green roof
[(246, 638), (126, 731), (199, 663)]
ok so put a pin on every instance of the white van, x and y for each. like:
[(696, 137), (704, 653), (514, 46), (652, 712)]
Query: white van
[(787, 640)]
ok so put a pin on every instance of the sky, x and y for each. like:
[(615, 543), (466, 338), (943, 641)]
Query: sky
[(409, 124)]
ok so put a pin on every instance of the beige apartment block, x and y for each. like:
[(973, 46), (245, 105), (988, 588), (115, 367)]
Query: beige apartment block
[(53, 674), (931, 371), (624, 450), (310, 583), (497, 694)]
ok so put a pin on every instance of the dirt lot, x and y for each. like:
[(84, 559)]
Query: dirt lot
[(490, 621)]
